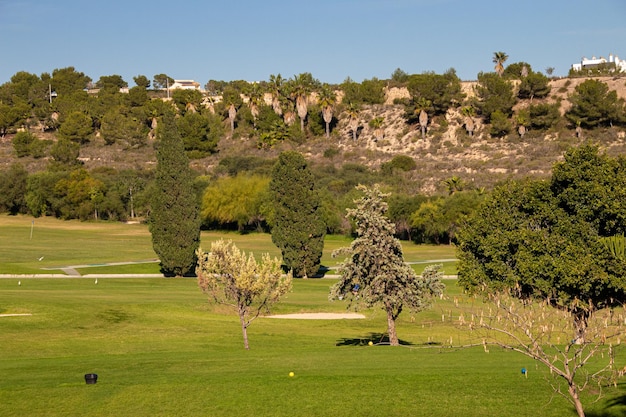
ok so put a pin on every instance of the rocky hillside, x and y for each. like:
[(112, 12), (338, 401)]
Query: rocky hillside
[(445, 151)]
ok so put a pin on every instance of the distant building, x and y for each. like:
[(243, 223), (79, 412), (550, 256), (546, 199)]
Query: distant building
[(613, 63), (185, 85)]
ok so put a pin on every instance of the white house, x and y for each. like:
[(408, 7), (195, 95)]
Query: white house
[(594, 62), (185, 85)]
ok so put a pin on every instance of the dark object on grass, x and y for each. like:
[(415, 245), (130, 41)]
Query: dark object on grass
[(91, 378)]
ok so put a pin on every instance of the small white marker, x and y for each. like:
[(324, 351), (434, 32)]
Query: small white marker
[(19, 283)]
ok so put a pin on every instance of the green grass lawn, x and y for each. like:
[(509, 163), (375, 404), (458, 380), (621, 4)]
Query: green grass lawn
[(24, 240), (160, 349)]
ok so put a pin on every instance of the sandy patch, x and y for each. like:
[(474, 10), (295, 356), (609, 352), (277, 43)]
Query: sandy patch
[(319, 316)]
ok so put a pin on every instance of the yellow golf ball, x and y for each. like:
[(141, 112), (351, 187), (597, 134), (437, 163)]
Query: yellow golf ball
[(370, 343), (291, 374)]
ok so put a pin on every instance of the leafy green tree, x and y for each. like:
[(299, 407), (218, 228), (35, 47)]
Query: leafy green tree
[(174, 219), (540, 242), (65, 152), (66, 81), (298, 228), (543, 116), (494, 94), (401, 208), (41, 195), (544, 238), (594, 105), (111, 82), (13, 190), (200, 134), (77, 127), (138, 96), (428, 221), (117, 127), (237, 200), (22, 142), (142, 81), (399, 76), (535, 85), (500, 124), (517, 71), (375, 274), (301, 86), (187, 100), (441, 91), (162, 81), (232, 278)]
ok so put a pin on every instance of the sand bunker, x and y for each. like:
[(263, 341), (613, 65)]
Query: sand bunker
[(319, 316)]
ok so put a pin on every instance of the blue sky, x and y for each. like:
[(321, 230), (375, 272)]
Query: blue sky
[(332, 39)]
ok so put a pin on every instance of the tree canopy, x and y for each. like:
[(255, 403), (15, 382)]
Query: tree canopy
[(298, 228), (374, 273)]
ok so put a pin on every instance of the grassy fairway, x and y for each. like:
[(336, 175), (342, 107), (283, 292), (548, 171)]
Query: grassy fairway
[(160, 350), (24, 240)]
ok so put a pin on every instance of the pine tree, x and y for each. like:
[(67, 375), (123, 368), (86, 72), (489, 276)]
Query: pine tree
[(174, 218), (375, 274), (298, 229)]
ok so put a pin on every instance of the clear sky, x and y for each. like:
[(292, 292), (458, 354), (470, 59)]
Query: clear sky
[(332, 39)]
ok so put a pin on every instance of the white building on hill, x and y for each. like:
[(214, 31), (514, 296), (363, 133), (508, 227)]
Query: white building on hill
[(185, 85), (613, 61)]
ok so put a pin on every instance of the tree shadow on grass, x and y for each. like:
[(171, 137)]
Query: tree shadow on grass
[(615, 407), (375, 338)]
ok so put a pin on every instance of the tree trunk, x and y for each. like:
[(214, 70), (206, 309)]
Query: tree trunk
[(244, 328), (573, 392), (391, 329)]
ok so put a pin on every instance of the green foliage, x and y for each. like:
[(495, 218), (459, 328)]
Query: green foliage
[(494, 94), (367, 92), (298, 228), (238, 200), (543, 116), (615, 245), (142, 81), (374, 273), (65, 152), (13, 189), (174, 218), (200, 133), (161, 81), (399, 162), (111, 82), (442, 91), (187, 100), (534, 85), (594, 105), (543, 238), (66, 81), (515, 71), (118, 127), (230, 277), (22, 143), (500, 124), (77, 127)]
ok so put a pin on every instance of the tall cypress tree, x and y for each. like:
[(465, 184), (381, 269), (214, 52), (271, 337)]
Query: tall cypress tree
[(298, 229), (174, 219)]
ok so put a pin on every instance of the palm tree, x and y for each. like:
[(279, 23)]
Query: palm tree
[(454, 184), (232, 114), (421, 109), (327, 101), (469, 112), (275, 89), (353, 119), (255, 98), (499, 58), (301, 87), (377, 124)]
